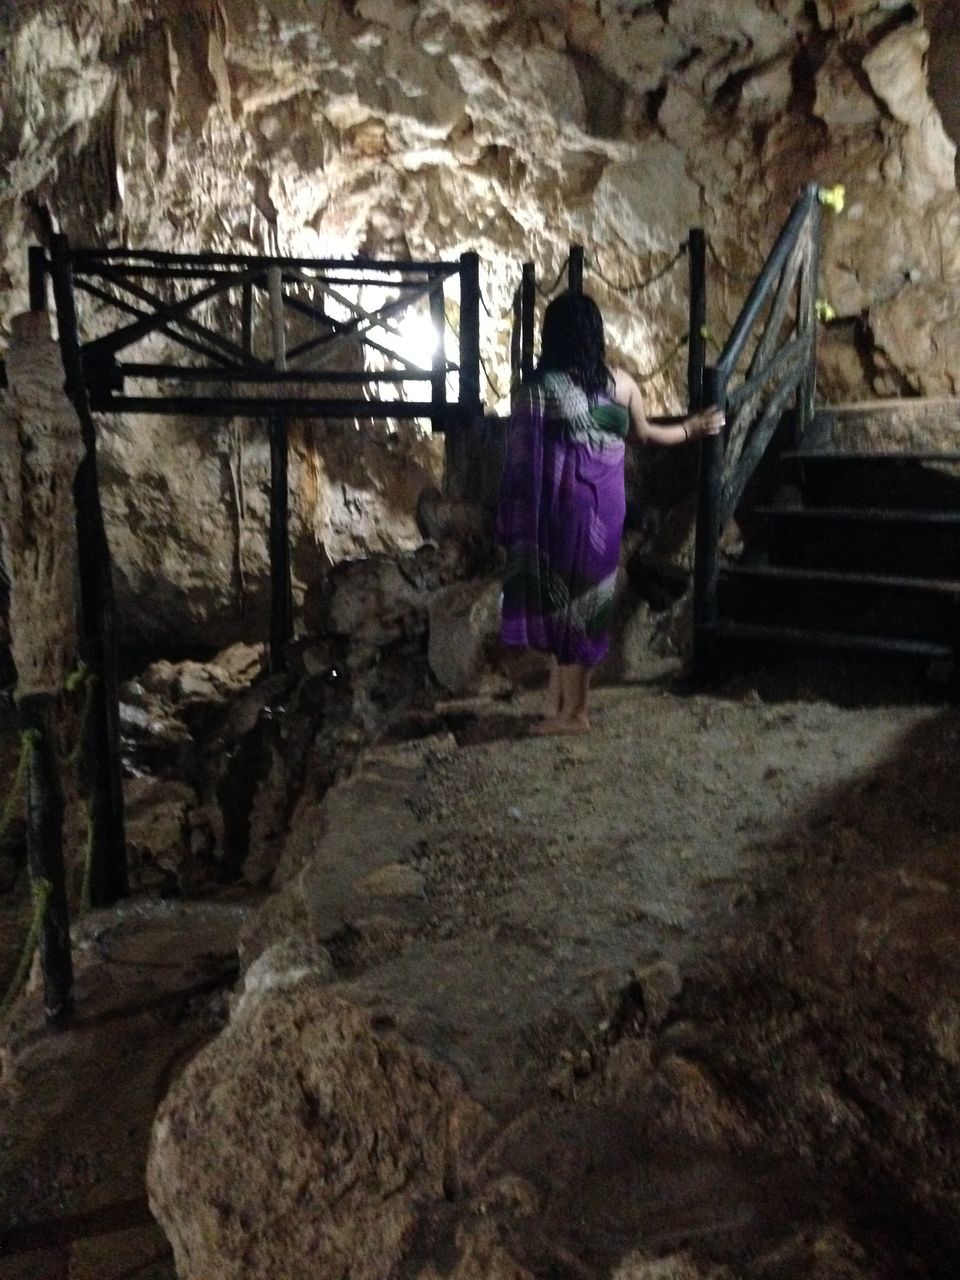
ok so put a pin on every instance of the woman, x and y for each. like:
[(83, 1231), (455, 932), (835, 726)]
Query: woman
[(562, 502)]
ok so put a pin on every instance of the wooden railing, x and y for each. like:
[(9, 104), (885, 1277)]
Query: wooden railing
[(781, 368), (145, 293)]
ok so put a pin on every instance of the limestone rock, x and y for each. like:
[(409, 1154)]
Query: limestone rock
[(464, 623), (678, 1266), (285, 964), (480, 1256), (302, 1143), (661, 984), (158, 832), (40, 450), (918, 332), (841, 99), (423, 131), (380, 599)]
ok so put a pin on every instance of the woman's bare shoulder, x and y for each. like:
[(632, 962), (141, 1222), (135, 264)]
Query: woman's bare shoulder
[(624, 386)]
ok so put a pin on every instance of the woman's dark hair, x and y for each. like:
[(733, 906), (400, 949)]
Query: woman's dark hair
[(572, 342)]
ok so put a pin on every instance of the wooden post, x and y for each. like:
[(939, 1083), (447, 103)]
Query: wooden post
[(707, 552), (281, 611), (697, 343), (516, 340), (528, 312), (38, 718), (246, 318), (470, 333), (807, 315), (37, 269), (438, 380), (575, 269), (98, 629)]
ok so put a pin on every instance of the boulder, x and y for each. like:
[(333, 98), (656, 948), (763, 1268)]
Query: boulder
[(464, 624), (162, 841), (302, 1143)]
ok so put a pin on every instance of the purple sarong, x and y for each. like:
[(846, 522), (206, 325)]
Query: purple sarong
[(561, 519)]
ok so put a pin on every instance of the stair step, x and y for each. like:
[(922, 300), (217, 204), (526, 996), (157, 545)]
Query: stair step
[(790, 573), (872, 515), (838, 641), (887, 541), (867, 603), (832, 455), (926, 480)]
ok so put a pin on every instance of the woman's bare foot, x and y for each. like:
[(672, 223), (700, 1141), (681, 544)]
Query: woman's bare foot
[(560, 725)]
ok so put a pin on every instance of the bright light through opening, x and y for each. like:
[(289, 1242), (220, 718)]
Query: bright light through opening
[(412, 336)]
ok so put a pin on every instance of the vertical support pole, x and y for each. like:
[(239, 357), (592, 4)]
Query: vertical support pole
[(438, 379), (516, 339), (807, 315), (45, 853), (37, 269), (281, 611), (528, 312), (707, 553), (246, 317), (697, 343), (470, 333), (575, 269), (98, 623)]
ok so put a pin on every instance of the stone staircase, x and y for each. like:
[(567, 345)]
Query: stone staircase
[(856, 548)]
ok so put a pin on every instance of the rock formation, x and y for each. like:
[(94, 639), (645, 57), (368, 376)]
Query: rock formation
[(40, 450), (393, 128)]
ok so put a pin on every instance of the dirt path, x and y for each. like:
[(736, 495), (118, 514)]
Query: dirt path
[(553, 868), (493, 896)]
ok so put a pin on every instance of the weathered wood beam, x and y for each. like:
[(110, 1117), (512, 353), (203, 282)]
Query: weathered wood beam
[(265, 377), (262, 406), (438, 388), (164, 314), (807, 313), (281, 611), (470, 331), (707, 539), (697, 342), (785, 358), (575, 265), (37, 276), (765, 282), (758, 442), (354, 328), (84, 257), (528, 318), (770, 338), (197, 347), (744, 405)]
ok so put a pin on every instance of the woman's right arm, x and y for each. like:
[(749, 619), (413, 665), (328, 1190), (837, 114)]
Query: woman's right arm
[(708, 422)]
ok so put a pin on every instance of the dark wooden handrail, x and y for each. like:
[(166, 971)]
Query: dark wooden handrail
[(766, 280), (778, 371)]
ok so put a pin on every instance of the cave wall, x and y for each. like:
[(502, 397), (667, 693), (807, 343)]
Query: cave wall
[(319, 128)]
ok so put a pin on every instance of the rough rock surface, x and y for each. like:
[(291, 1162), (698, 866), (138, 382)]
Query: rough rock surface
[(40, 450), (430, 128), (697, 971), (343, 1143)]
